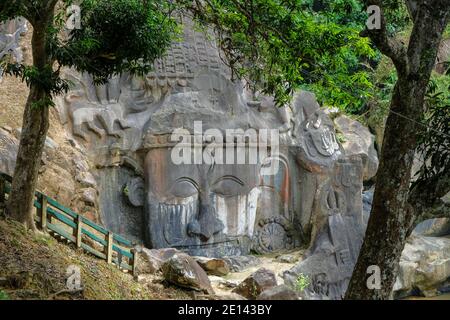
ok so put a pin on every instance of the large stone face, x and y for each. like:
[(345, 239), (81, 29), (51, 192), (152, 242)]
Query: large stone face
[(210, 208)]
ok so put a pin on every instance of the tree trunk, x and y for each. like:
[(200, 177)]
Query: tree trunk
[(389, 220), (34, 130), (391, 217)]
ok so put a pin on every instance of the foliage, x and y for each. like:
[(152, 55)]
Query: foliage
[(280, 46), (434, 140), (302, 282), (115, 36), (3, 295)]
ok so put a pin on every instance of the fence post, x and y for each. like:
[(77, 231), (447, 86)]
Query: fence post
[(78, 231), (134, 264), (43, 212), (109, 248), (2, 190)]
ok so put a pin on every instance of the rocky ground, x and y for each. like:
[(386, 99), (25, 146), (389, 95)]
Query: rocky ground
[(229, 278)]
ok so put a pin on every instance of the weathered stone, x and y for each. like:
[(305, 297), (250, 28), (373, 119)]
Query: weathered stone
[(183, 271), (256, 283), (359, 141), (150, 261), (224, 284), (89, 196), (287, 258), (8, 152), (51, 144), (443, 56), (281, 292), (240, 263), (232, 296), (329, 262), (424, 266), (10, 33), (433, 227), (218, 210), (213, 266), (7, 129), (86, 179)]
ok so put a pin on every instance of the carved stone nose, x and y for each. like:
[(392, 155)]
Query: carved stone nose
[(206, 225)]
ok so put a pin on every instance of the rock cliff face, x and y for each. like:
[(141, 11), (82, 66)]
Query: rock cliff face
[(210, 209), (114, 151)]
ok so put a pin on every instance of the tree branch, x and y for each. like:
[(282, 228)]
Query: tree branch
[(388, 45), (412, 8)]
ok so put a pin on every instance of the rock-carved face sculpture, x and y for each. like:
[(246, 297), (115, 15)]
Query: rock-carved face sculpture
[(201, 208)]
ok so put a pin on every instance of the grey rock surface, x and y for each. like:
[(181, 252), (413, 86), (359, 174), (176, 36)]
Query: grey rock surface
[(359, 141), (150, 261), (9, 146), (212, 210), (424, 266), (329, 262), (281, 292), (10, 33), (240, 263), (256, 283), (182, 270), (213, 266)]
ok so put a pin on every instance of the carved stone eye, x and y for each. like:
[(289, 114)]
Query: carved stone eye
[(134, 192), (184, 188), (228, 186)]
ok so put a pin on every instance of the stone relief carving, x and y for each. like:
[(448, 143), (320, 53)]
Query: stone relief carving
[(10, 33), (340, 231), (217, 210)]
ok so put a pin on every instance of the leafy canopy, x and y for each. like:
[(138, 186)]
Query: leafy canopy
[(115, 36), (283, 45)]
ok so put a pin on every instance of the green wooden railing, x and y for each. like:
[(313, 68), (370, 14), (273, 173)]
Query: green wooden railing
[(56, 219)]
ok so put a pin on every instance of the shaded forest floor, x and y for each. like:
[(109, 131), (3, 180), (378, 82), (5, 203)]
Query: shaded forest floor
[(34, 266)]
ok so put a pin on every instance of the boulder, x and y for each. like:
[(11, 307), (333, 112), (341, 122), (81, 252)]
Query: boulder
[(359, 141), (287, 258), (183, 271), (150, 261), (256, 283), (433, 227), (240, 263), (281, 292), (232, 296), (89, 196), (437, 227), (8, 151), (213, 266), (225, 284), (424, 266), (443, 56)]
